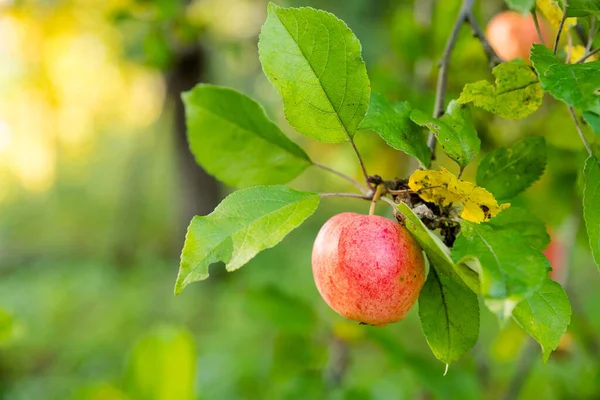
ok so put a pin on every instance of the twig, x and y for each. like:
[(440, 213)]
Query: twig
[(590, 41), (580, 132), (362, 164), (376, 197), (342, 175), (402, 191), (537, 27), (489, 51), (569, 47), (352, 195), (588, 55), (442, 82), (560, 27)]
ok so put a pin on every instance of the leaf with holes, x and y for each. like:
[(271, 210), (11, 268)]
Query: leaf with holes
[(313, 59), (454, 131), (392, 122), (233, 140), (508, 171), (545, 315), (449, 314), (515, 94), (443, 188), (245, 223)]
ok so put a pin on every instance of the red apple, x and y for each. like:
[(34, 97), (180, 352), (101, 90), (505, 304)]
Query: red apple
[(368, 268), (512, 34)]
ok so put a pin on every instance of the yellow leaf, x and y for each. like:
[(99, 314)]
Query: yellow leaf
[(577, 52), (553, 13), (443, 188)]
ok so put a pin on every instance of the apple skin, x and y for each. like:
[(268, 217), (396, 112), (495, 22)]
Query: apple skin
[(368, 268), (512, 34)]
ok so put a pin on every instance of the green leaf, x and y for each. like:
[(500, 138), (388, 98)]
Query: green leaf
[(545, 315), (245, 223), (392, 122), (449, 314), (583, 8), (509, 269), (577, 85), (313, 59), (522, 6), (454, 131), (232, 138), (437, 252), (163, 366), (531, 228), (508, 171), (591, 205), (515, 95), (593, 120)]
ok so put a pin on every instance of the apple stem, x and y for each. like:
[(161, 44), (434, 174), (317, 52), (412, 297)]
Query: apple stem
[(376, 197)]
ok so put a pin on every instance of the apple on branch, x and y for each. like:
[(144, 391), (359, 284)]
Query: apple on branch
[(368, 268)]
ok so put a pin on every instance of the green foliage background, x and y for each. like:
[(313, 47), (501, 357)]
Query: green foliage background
[(87, 265)]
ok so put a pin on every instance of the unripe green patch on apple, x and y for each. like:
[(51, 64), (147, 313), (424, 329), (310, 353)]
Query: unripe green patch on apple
[(368, 268)]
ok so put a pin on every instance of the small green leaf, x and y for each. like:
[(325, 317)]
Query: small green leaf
[(531, 228), (583, 8), (232, 138), (313, 59), (516, 94), (163, 366), (591, 205), (454, 131), (392, 122), (522, 6), (545, 315), (437, 252), (577, 85), (245, 223), (508, 171), (510, 269), (449, 314)]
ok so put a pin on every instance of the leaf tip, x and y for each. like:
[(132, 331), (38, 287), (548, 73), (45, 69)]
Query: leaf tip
[(272, 7), (446, 370)]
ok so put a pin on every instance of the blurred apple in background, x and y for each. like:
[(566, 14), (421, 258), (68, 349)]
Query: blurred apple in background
[(512, 34)]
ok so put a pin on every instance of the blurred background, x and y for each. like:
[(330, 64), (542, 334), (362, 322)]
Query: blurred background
[(97, 187)]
